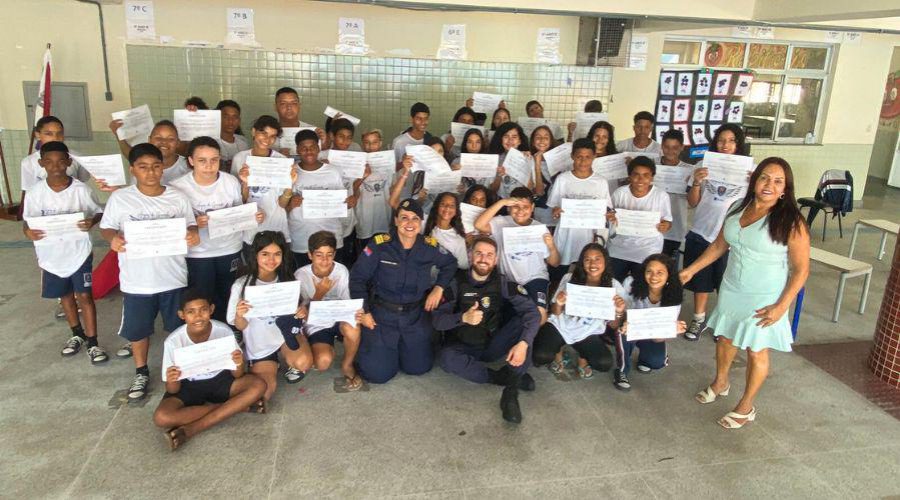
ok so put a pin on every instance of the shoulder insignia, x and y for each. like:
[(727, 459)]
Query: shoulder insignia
[(431, 241), (382, 238)]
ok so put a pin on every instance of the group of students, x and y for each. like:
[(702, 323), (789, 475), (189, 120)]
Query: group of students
[(201, 295)]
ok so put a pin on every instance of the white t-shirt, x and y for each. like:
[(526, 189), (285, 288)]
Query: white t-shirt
[(575, 328), (324, 177), (340, 290), (630, 301), (178, 169), (262, 336), (401, 141), (453, 243), (266, 199), (638, 248), (153, 274), (627, 146), (63, 258), (229, 149), (508, 183), (225, 192), (180, 338), (679, 212), (570, 241), (520, 267), (373, 213), (715, 199), (33, 172)]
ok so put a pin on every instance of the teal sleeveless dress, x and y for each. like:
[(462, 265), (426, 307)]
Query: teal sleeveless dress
[(756, 274)]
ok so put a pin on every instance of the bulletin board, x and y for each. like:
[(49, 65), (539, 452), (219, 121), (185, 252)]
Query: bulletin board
[(698, 102)]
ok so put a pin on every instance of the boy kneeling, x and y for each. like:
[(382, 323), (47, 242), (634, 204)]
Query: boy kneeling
[(198, 402)]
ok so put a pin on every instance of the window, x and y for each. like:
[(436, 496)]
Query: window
[(785, 98)]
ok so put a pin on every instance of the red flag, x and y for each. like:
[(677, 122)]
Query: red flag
[(42, 106)]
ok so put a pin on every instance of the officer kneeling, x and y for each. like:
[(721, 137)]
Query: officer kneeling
[(393, 275), (477, 332)]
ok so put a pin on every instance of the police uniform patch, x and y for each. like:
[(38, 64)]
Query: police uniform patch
[(382, 238), (486, 302)]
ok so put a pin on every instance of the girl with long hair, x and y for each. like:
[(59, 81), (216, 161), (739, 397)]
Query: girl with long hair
[(509, 136), (444, 224)]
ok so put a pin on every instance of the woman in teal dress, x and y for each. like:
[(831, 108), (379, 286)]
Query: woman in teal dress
[(767, 266)]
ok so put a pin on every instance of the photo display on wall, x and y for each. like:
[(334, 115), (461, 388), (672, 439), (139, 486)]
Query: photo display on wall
[(697, 102)]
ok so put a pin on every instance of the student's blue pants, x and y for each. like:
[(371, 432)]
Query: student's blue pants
[(213, 276), (468, 361), (650, 353), (399, 341)]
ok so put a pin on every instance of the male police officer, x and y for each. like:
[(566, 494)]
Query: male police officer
[(473, 315), (393, 275)]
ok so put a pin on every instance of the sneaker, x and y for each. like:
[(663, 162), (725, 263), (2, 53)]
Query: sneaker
[(621, 381), (60, 313), (693, 332), (124, 351), (138, 388), (293, 375), (73, 345), (644, 368), (97, 354)]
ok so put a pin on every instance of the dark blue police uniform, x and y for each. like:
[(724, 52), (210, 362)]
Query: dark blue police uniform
[(394, 282)]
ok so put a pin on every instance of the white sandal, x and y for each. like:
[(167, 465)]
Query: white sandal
[(707, 395), (729, 422)]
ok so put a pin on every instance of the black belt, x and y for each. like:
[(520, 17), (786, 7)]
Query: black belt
[(393, 307)]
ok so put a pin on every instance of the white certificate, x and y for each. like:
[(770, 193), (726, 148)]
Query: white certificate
[(58, 228), (155, 238), (458, 131), (206, 357), (329, 312), (517, 166), (277, 299), (653, 323), (483, 102), (611, 167), (271, 172), (584, 122), (198, 123), (382, 163), (136, 123), (559, 159), (109, 168), (479, 166), (637, 223), (351, 164), (590, 301), (582, 214), (674, 180), (529, 124), (521, 239), (332, 112), (439, 181), (468, 214), (426, 159), (730, 169), (232, 220), (324, 203), (288, 135)]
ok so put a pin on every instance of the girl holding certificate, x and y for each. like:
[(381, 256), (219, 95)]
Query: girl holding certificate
[(604, 138), (510, 136), (445, 225), (656, 285), (767, 265), (583, 334), (474, 143)]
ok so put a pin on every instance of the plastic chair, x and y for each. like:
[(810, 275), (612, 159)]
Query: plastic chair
[(834, 196)]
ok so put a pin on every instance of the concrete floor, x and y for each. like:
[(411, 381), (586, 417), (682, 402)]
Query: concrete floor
[(65, 435)]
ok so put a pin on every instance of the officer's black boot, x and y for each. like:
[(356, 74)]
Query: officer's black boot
[(509, 402), (505, 374)]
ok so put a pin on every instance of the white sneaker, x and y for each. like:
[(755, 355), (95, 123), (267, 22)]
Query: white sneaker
[(72, 346), (124, 351)]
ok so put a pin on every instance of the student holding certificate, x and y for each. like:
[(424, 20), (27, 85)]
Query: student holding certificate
[(47, 129), (342, 131), (464, 115), (230, 140), (583, 334), (445, 225), (672, 146), (193, 404), (655, 284), (164, 136), (541, 141), (150, 285), (373, 214), (592, 106), (603, 135), (474, 143), (641, 142), (511, 136)]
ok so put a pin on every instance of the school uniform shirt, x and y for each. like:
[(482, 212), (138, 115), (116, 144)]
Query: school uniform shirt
[(180, 338), (154, 274), (575, 328), (520, 267), (453, 243), (227, 150), (262, 336), (33, 172), (66, 257), (178, 169), (340, 290), (570, 241), (508, 183), (401, 141), (225, 192), (679, 211), (373, 213), (324, 177), (627, 146), (715, 199), (266, 199), (630, 301), (638, 248)]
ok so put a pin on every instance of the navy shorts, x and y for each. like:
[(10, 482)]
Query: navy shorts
[(199, 392), (139, 313), (54, 287), (537, 290), (325, 336), (271, 357), (709, 278)]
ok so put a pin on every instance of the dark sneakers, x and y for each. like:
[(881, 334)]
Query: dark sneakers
[(139, 386), (620, 381), (97, 354), (72, 346)]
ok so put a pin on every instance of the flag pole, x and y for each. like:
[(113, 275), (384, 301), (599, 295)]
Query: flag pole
[(31, 140)]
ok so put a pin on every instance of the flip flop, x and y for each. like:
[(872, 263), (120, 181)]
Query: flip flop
[(176, 437), (258, 407), (729, 421), (353, 384)]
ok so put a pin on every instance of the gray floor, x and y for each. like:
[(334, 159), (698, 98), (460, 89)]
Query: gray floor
[(64, 435)]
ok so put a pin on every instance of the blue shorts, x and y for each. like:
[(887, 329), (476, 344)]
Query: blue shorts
[(139, 313), (54, 287), (215, 390), (325, 336), (537, 290)]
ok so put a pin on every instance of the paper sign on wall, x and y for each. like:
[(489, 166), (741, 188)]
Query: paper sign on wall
[(547, 50), (139, 21), (453, 42), (765, 32), (852, 37), (637, 55), (240, 27), (351, 37)]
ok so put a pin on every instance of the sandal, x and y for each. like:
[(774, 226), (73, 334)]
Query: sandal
[(353, 384), (585, 372), (707, 395), (557, 367), (729, 421), (258, 407), (176, 437)]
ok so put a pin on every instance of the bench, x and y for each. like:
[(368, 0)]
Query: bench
[(884, 226), (849, 268)]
